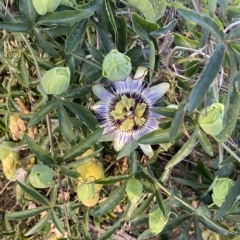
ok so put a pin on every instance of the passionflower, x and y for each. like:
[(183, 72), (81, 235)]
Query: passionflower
[(125, 112)]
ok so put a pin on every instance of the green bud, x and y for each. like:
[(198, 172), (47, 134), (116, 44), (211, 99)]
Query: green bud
[(41, 176), (56, 81), (116, 66), (44, 6), (211, 119), (221, 189)]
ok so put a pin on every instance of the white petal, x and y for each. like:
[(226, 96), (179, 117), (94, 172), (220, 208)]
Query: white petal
[(120, 140), (98, 105), (102, 93), (147, 149), (158, 91), (140, 73)]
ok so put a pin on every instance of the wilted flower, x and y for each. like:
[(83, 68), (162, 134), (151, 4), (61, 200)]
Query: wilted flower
[(116, 66), (9, 160), (44, 6), (221, 189), (125, 112), (17, 126), (211, 119), (56, 81)]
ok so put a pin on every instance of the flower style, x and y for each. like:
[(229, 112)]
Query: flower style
[(125, 112)]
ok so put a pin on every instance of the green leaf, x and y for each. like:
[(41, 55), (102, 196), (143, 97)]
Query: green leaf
[(86, 233), (145, 7), (112, 201), (160, 203), (215, 227), (183, 152), (83, 146), (127, 149), (28, 10), (133, 160), (234, 33), (96, 54), (38, 151), (78, 92), (83, 160), (189, 183), (212, 5), (204, 171), (229, 200), (54, 195), (106, 37), (83, 114), (159, 7), (176, 122), (76, 36), (204, 21), (65, 124), (166, 112), (147, 234), (25, 214), (33, 193), (224, 5), (108, 233), (38, 226), (134, 190), (15, 26), (121, 24), (142, 27), (86, 191), (175, 222), (232, 111), (46, 65), (144, 205), (204, 141), (197, 230), (57, 222), (41, 176), (207, 77), (183, 41), (157, 221), (164, 30), (37, 117), (69, 172), (65, 18), (140, 219), (162, 136), (45, 45), (112, 179), (23, 72)]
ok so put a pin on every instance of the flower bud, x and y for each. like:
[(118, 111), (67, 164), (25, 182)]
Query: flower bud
[(221, 189), (56, 81), (44, 6), (116, 66), (211, 119), (41, 176)]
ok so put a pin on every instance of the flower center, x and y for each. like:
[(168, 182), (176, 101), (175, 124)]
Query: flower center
[(129, 113)]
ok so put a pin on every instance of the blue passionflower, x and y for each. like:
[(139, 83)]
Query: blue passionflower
[(125, 111)]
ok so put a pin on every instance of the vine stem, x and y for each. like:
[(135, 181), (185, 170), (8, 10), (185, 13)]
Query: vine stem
[(47, 119)]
